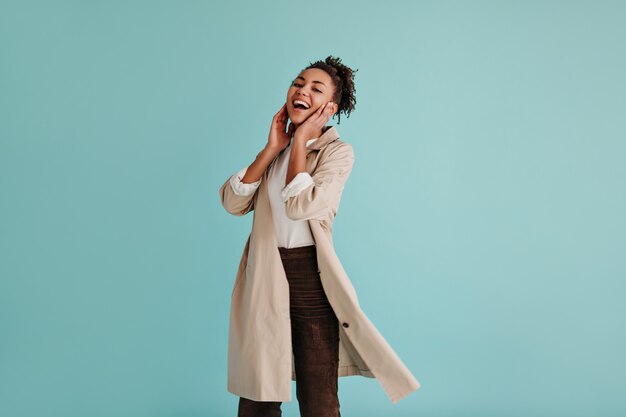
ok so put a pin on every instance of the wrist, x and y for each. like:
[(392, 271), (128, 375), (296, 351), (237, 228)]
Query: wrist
[(301, 138), (271, 150)]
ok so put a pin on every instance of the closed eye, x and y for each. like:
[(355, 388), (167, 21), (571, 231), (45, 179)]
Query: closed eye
[(299, 85)]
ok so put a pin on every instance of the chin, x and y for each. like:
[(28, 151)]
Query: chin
[(296, 119)]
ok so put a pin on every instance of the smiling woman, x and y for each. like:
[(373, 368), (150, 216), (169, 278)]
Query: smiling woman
[(294, 312), (326, 76)]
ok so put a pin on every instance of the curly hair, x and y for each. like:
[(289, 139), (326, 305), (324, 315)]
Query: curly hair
[(343, 78)]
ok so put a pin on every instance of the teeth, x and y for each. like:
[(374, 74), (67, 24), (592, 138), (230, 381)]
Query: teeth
[(301, 102)]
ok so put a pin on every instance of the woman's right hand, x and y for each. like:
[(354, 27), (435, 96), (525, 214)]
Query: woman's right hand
[(279, 137)]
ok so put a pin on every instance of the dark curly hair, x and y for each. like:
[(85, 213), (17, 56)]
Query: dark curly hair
[(343, 78)]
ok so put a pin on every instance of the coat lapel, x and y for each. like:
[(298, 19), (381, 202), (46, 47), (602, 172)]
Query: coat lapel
[(328, 136)]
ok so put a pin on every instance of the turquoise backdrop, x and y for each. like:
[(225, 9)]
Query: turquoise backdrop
[(483, 225)]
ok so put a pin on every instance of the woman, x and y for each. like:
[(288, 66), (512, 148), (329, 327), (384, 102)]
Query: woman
[(294, 312)]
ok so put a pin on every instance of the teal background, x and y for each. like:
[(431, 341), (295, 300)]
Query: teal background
[(483, 225)]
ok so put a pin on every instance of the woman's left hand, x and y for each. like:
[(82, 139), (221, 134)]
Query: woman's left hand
[(312, 125)]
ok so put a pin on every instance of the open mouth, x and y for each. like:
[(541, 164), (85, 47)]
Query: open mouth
[(300, 106)]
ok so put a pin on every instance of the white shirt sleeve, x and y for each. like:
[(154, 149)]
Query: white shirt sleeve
[(301, 181), (241, 188)]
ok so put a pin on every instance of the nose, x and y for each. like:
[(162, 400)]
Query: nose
[(300, 92)]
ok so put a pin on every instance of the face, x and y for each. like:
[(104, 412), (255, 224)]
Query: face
[(315, 88)]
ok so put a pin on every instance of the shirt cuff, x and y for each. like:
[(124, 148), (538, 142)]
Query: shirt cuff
[(241, 188), (301, 181)]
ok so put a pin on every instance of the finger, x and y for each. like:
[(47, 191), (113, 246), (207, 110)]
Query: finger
[(282, 116), (284, 107), (319, 114), (327, 110)]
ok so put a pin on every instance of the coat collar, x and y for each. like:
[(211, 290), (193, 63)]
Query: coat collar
[(328, 136)]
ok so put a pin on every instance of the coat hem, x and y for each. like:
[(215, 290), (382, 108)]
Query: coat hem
[(350, 370), (239, 393), (396, 395)]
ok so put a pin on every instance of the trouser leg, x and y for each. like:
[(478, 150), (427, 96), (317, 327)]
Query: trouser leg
[(251, 408), (316, 353), (315, 335)]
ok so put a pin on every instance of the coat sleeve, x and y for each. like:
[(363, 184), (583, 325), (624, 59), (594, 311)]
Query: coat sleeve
[(236, 197), (322, 195), (242, 188)]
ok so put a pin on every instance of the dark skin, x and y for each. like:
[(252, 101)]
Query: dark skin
[(315, 87)]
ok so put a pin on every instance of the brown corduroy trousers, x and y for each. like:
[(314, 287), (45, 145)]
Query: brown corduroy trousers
[(315, 341)]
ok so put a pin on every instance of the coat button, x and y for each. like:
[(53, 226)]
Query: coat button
[(346, 325)]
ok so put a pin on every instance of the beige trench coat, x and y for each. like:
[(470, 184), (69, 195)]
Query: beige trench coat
[(260, 358)]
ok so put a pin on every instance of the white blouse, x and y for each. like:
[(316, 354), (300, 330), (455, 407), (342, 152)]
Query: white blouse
[(289, 233)]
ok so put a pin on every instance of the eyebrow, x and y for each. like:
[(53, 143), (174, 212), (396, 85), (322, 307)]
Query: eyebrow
[(315, 81)]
